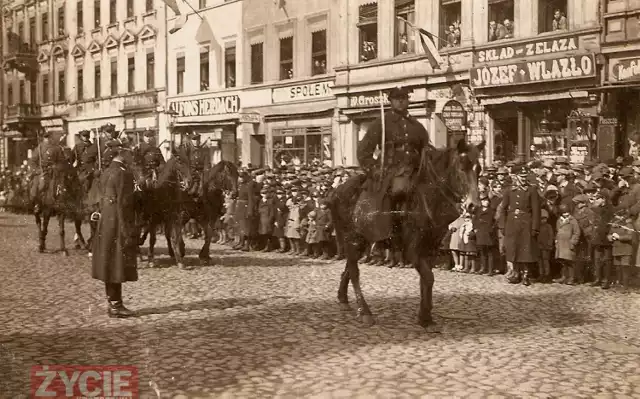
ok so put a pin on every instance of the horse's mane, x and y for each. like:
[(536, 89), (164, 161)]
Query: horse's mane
[(166, 173), (220, 172), (441, 168)]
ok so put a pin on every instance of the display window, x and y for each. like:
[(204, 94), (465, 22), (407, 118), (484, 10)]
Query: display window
[(310, 145)]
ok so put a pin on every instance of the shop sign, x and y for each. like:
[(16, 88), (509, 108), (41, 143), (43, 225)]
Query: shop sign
[(148, 100), (302, 92), (454, 116), (608, 121), (207, 106), (368, 100), (564, 68), (527, 49), (628, 69), (250, 117), (49, 123)]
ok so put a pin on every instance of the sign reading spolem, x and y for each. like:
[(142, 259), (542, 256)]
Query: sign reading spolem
[(549, 70), (308, 91), (454, 116), (73, 381)]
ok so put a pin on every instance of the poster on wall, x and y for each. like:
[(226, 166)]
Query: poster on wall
[(578, 153)]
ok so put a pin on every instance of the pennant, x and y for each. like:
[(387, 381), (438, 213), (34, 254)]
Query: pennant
[(428, 40), (204, 33), (178, 23), (173, 5)]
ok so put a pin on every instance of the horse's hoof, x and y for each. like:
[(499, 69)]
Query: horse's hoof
[(432, 328), (64, 252), (151, 264), (206, 261), (90, 255), (367, 320), (345, 306), (181, 266)]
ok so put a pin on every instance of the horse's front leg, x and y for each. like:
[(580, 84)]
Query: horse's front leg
[(425, 319), (79, 238), (151, 229), (167, 236), (41, 240), (352, 269), (61, 233), (177, 242), (204, 255)]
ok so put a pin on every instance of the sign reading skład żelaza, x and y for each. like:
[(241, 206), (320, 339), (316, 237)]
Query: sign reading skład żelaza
[(527, 50), (207, 106), (549, 70), (454, 116)]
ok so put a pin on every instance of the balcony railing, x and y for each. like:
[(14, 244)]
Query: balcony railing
[(20, 111), (20, 55)]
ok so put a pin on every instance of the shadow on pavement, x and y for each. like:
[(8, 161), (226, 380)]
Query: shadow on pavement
[(214, 352)]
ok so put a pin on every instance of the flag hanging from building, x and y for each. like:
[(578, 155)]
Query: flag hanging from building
[(428, 41), (180, 20), (173, 5)]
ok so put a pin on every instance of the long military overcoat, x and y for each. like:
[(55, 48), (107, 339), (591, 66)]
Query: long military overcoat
[(520, 218), (115, 244)]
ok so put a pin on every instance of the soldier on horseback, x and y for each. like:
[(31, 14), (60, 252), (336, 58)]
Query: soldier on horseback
[(148, 150), (198, 159), (48, 155), (391, 184)]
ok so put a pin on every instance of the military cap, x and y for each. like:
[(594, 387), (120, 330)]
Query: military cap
[(562, 160), (520, 170), (491, 169), (590, 188), (551, 187), (548, 163), (399, 92), (577, 167), (626, 172), (311, 215), (46, 134), (295, 182), (194, 136), (562, 172), (535, 164), (114, 143), (511, 164), (279, 190), (502, 170), (580, 198), (149, 133), (264, 190), (589, 164)]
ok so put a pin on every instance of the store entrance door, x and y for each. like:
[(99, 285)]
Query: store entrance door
[(505, 134)]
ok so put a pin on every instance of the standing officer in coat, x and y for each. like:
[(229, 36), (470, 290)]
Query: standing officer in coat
[(405, 138), (115, 244), (520, 223)]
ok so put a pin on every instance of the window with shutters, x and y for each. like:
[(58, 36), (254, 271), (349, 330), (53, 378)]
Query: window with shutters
[(319, 52), (80, 17), (368, 27), (303, 145), (204, 68), (80, 84), (62, 87), (257, 58), (45, 26), (32, 32), (230, 66), (404, 33), (286, 58), (180, 69), (501, 19), (114, 76), (45, 89), (97, 82), (151, 70), (450, 14), (112, 12), (131, 74), (33, 92)]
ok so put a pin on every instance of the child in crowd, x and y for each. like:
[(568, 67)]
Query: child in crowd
[(567, 237), (468, 249), (545, 245), (455, 244), (484, 225)]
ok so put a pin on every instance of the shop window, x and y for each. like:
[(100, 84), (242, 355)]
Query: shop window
[(112, 12), (151, 70), (148, 6), (204, 68), (319, 52), (96, 14), (303, 146), (368, 27), (22, 93), (500, 19), (450, 14), (286, 58), (80, 84), (114, 76), (180, 69), (10, 95), (97, 82), (405, 41), (256, 63), (230, 66), (61, 27), (32, 32), (79, 17), (552, 15), (131, 74), (45, 89), (62, 92), (45, 26)]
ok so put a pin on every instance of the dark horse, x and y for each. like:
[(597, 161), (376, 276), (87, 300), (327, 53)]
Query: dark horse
[(62, 197), (149, 215), (445, 178), (222, 177), (169, 200)]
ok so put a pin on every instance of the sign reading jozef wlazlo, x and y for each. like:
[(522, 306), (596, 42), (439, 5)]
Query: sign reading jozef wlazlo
[(548, 70)]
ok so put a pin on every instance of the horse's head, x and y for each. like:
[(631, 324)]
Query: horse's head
[(175, 172), (468, 163), (224, 176)]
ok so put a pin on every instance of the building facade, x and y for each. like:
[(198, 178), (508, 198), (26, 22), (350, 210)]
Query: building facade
[(494, 82), (75, 65), (204, 75), (288, 105)]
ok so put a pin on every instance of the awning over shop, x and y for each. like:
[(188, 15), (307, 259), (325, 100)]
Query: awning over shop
[(295, 110), (527, 98), (205, 120), (621, 86)]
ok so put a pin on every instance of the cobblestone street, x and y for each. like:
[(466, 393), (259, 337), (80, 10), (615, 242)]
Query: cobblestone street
[(267, 325)]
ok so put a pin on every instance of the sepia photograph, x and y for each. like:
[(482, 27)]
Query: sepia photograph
[(319, 199)]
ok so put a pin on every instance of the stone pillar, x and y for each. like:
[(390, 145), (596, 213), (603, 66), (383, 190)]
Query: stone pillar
[(467, 22), (522, 131), (480, 19), (386, 29)]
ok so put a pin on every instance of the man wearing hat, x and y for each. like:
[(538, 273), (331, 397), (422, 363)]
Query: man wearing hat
[(519, 222), (46, 156), (80, 146), (405, 138), (148, 152), (199, 160)]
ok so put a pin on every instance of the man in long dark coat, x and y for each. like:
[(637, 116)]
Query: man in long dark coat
[(115, 244), (246, 208), (520, 223)]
